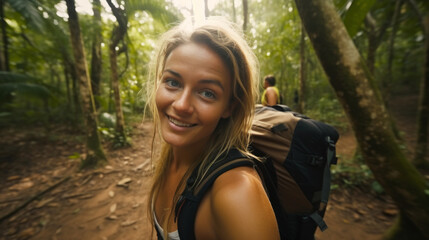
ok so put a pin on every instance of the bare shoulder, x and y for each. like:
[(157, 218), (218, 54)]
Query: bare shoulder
[(240, 207)]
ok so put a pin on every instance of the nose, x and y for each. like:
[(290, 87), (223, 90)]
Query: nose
[(183, 105)]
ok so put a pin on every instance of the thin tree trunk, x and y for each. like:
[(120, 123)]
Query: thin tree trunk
[(423, 108), (118, 34), (245, 14), (67, 78), (4, 51), (96, 58), (95, 154), (302, 72), (74, 95), (234, 14), (206, 8), (390, 58), (363, 105), (372, 42)]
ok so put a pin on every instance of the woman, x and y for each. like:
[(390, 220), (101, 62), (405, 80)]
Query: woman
[(205, 87)]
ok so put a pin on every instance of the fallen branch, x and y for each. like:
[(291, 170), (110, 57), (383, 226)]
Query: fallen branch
[(82, 194), (23, 205)]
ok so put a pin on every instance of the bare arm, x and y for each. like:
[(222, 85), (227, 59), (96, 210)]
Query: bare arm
[(271, 96), (241, 208)]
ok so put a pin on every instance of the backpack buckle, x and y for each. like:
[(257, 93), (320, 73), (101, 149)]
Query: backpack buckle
[(316, 161)]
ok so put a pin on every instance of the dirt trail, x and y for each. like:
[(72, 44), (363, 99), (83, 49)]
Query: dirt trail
[(110, 203)]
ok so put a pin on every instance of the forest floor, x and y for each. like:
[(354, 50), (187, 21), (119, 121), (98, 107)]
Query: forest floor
[(47, 197)]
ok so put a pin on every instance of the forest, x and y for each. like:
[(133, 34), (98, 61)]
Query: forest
[(75, 159)]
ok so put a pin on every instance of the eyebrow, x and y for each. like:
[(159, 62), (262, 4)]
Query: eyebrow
[(204, 81)]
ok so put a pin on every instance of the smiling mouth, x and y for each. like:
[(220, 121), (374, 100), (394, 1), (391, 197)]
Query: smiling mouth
[(178, 123)]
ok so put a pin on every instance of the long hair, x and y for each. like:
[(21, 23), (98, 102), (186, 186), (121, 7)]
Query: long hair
[(228, 42)]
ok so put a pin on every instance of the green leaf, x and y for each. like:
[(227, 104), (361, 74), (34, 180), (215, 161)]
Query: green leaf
[(377, 187), (28, 9), (355, 15), (156, 8), (74, 156)]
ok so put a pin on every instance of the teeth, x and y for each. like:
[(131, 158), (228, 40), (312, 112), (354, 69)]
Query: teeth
[(180, 124)]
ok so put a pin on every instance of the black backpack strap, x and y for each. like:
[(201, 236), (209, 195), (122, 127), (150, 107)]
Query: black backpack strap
[(317, 216), (189, 201)]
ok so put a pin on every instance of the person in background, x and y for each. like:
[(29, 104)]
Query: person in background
[(271, 94), (203, 94)]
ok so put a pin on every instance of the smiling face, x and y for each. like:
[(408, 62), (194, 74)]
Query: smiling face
[(193, 95)]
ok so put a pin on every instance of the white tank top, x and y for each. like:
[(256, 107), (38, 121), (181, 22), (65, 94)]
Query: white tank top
[(171, 235)]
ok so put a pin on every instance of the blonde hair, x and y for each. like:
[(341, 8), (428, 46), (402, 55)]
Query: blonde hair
[(228, 42)]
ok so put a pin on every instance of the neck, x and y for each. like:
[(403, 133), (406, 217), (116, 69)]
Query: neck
[(184, 158)]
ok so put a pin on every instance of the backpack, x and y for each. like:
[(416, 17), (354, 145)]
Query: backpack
[(295, 157)]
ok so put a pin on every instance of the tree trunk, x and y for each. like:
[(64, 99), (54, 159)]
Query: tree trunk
[(389, 75), (363, 105), (372, 42), (402, 229), (96, 58), (206, 8), (245, 14), (74, 93), (302, 72), (118, 34), (4, 51), (375, 35), (95, 155), (423, 108), (234, 15), (67, 78)]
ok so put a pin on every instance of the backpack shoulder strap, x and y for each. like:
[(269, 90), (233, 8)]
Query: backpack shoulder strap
[(188, 203)]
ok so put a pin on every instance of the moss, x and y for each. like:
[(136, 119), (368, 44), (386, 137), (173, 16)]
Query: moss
[(403, 229)]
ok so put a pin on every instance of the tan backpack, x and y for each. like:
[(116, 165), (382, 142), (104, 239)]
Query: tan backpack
[(295, 157)]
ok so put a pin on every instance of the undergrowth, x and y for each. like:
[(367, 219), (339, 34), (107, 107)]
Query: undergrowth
[(354, 173)]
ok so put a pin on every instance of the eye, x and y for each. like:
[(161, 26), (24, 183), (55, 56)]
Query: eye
[(171, 82), (208, 94)]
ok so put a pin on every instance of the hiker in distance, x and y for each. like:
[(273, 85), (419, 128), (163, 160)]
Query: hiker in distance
[(204, 88), (271, 94)]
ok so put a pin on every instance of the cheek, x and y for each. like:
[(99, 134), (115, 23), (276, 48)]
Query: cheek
[(160, 99)]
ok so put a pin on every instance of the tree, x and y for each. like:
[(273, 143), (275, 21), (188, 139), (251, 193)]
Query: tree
[(4, 51), (362, 102), (118, 33), (245, 14), (389, 75), (95, 153), (302, 72), (96, 58), (423, 107), (206, 8)]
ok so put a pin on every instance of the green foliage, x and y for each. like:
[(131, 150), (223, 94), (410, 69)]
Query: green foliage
[(327, 109), (74, 156), (157, 8), (355, 14), (28, 9), (350, 175), (377, 187), (107, 120), (13, 84)]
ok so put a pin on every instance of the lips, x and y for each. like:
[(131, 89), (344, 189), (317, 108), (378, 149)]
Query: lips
[(179, 123)]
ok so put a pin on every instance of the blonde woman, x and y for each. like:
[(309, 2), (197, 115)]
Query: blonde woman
[(204, 91)]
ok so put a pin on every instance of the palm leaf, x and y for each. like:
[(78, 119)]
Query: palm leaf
[(23, 85), (156, 8), (355, 15), (28, 9)]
